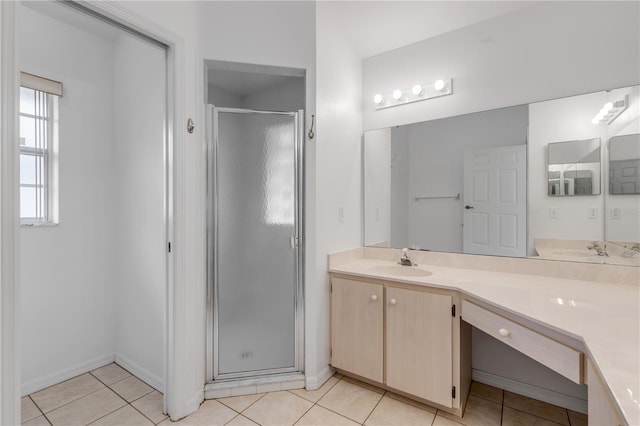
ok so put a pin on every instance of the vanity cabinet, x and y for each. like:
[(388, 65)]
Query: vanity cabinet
[(419, 344), (356, 321), (403, 339)]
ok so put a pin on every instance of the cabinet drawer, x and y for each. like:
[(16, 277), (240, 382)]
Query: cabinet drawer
[(558, 357)]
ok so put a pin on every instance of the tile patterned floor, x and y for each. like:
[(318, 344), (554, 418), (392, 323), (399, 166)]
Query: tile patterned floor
[(112, 396)]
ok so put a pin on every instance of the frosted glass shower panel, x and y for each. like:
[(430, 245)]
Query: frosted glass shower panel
[(255, 261)]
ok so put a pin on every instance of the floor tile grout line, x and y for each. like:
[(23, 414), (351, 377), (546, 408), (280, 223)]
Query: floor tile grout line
[(374, 408), (537, 416), (147, 417), (113, 411), (37, 407), (71, 402), (321, 396), (502, 409)]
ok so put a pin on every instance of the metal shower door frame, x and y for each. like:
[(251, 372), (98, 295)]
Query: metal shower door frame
[(212, 323)]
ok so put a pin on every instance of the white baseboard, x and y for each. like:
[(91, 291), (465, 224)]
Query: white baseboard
[(65, 374), (535, 392), (314, 382), (140, 372)]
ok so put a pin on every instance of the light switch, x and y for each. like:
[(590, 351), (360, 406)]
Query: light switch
[(341, 213), (553, 212)]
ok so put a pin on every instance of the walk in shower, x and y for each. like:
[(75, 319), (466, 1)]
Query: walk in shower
[(254, 211)]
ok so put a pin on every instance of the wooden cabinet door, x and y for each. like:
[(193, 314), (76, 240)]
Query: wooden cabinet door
[(356, 327), (420, 344)]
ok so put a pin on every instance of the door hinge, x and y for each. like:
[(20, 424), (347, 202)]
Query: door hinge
[(453, 311), (453, 392), (169, 246)]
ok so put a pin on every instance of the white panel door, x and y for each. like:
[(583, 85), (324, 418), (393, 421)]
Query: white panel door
[(495, 201)]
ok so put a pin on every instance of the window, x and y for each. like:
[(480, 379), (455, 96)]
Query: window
[(38, 140)]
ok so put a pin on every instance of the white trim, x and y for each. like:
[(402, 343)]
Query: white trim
[(532, 391), (66, 374), (315, 382), (9, 220), (140, 372)]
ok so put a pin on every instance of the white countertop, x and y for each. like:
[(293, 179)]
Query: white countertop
[(605, 316)]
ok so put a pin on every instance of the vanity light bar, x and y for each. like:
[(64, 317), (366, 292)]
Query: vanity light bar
[(419, 92), (610, 111)]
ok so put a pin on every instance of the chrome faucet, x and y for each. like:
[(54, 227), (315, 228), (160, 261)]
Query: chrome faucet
[(404, 260), (602, 251)]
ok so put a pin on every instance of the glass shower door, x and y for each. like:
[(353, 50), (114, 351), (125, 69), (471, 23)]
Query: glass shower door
[(254, 244)]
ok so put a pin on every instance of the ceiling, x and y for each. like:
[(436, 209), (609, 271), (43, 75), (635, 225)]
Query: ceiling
[(374, 27)]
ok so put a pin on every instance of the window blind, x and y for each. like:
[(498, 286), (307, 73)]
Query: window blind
[(40, 84)]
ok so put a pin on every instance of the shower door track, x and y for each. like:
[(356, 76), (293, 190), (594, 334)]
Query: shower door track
[(212, 343)]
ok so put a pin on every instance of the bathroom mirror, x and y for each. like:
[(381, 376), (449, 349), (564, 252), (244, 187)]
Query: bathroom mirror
[(574, 168), (624, 165), (414, 179)]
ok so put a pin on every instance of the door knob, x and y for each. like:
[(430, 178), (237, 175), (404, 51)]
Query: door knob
[(374, 297), (468, 207), (392, 301), (503, 332)]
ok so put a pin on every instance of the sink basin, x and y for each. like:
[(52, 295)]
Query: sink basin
[(398, 270)]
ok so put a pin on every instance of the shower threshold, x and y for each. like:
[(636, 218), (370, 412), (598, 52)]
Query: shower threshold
[(251, 386)]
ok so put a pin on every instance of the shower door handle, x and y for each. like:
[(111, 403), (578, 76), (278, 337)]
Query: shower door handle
[(294, 242)]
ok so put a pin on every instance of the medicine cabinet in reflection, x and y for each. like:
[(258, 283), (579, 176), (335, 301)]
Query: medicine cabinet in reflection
[(574, 168), (624, 164)]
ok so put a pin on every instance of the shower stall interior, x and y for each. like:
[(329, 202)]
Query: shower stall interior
[(254, 211)]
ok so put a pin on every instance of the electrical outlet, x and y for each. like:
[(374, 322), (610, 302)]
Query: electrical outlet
[(592, 213), (553, 212), (341, 213)]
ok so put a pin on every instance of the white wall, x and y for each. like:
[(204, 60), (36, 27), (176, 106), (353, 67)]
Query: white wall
[(377, 187), (139, 271), (289, 96), (281, 34), (562, 120), (547, 51), (221, 97), (67, 312), (400, 186), (339, 171)]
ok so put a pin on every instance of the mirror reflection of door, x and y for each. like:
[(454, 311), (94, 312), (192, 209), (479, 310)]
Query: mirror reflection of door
[(494, 217)]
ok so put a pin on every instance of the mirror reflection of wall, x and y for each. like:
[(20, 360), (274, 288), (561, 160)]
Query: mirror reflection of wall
[(426, 165), (574, 168), (624, 164)]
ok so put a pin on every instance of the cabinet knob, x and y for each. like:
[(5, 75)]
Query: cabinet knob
[(503, 332), (392, 301), (374, 297)]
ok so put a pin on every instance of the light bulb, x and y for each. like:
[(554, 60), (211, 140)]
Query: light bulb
[(397, 94), (596, 120), (438, 85), (603, 112), (417, 90), (608, 106), (377, 99)]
